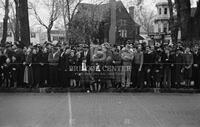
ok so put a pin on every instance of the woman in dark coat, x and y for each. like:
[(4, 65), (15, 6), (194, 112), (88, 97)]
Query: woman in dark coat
[(167, 68), (7, 73), (78, 63), (188, 62), (137, 74), (158, 69), (61, 68), (20, 58), (2, 62), (44, 68), (72, 64), (28, 73), (196, 67), (14, 69), (36, 66), (178, 62), (149, 61)]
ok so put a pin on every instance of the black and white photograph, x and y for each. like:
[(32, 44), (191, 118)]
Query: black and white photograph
[(99, 63)]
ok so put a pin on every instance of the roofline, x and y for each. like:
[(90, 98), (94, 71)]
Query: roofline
[(135, 24), (162, 4), (117, 2)]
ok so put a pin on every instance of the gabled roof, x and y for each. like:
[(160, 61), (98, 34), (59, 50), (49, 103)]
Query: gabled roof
[(120, 4), (100, 12), (95, 11)]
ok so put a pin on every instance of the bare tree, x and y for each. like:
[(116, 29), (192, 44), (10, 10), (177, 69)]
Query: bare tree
[(68, 8), (54, 12), (5, 22), (16, 20), (145, 18)]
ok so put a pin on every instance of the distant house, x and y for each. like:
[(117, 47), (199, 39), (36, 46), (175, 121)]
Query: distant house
[(161, 23), (56, 35), (10, 36), (34, 36), (126, 27), (161, 26)]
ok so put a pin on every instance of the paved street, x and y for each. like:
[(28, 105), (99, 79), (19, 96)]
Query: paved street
[(99, 110)]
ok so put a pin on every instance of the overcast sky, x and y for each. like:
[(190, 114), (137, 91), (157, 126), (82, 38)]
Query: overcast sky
[(150, 4)]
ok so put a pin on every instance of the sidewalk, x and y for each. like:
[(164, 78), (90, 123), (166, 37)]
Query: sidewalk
[(111, 90)]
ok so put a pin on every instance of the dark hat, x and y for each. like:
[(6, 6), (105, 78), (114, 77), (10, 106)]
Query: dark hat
[(85, 46), (8, 45), (179, 49)]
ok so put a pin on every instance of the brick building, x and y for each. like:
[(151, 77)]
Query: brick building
[(112, 17)]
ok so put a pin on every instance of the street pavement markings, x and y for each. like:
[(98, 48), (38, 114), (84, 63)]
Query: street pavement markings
[(71, 120)]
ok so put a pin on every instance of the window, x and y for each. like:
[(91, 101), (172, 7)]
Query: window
[(123, 22), (160, 11), (123, 33), (165, 12), (159, 29), (33, 35), (55, 38), (61, 38), (165, 27), (9, 34), (137, 31)]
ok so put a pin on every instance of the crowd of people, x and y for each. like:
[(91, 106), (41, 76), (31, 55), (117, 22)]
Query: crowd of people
[(96, 67)]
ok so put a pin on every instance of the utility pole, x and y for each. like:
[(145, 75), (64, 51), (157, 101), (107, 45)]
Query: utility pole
[(112, 31)]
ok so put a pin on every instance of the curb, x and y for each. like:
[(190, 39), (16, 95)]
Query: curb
[(111, 90)]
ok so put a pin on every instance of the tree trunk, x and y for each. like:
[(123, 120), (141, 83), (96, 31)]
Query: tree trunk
[(24, 23), (69, 32), (184, 17), (197, 20), (5, 22), (66, 34), (66, 30), (17, 25), (172, 23), (49, 34), (64, 20)]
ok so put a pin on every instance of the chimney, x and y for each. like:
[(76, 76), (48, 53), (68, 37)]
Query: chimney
[(112, 32), (132, 12)]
